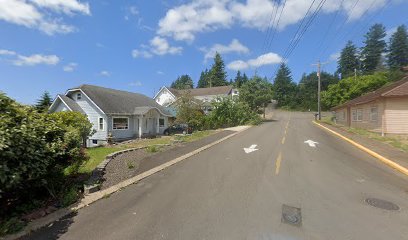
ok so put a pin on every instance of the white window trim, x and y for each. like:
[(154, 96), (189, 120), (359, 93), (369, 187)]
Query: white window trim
[(362, 114), (164, 122), (121, 129), (371, 114), (103, 124), (354, 113)]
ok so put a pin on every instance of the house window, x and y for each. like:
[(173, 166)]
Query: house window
[(161, 122), (79, 96), (101, 127), (120, 123), (94, 141), (354, 115), (360, 114), (374, 114)]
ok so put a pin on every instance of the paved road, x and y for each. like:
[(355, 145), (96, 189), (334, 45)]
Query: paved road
[(224, 193)]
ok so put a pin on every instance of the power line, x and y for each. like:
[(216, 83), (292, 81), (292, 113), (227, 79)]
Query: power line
[(270, 26), (340, 28), (277, 24), (329, 27), (298, 36)]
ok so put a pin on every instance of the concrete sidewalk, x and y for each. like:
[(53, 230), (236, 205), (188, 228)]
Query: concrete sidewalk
[(398, 156)]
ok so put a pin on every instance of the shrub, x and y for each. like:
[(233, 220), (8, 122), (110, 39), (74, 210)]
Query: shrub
[(152, 149), (34, 149), (69, 197), (229, 113), (11, 225)]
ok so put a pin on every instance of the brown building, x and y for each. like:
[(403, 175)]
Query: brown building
[(384, 110)]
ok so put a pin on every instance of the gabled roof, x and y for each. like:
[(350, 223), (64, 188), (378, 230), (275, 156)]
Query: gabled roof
[(202, 91), (112, 101), (71, 103), (395, 89)]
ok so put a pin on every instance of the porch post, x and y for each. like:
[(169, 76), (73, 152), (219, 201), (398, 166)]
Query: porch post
[(158, 124), (140, 125)]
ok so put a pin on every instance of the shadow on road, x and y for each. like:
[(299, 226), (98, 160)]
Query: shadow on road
[(52, 231)]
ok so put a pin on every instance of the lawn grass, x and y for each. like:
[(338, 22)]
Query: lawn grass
[(195, 136), (399, 142), (96, 156)]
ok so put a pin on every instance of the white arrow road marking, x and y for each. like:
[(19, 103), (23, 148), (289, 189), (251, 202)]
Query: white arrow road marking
[(252, 148), (311, 143)]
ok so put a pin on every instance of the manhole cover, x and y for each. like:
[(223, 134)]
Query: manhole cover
[(378, 203), (291, 215)]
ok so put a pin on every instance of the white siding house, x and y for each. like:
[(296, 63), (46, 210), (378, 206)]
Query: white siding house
[(167, 96), (119, 114)]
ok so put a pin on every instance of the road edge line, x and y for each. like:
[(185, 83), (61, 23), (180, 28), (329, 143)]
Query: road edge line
[(383, 159), (93, 197)]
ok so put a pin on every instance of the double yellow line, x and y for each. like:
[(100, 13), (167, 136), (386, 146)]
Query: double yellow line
[(279, 159)]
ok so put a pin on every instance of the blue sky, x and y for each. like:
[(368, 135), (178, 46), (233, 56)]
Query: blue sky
[(141, 45)]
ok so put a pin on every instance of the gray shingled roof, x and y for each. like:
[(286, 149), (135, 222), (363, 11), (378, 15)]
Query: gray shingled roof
[(71, 103), (202, 91), (113, 101)]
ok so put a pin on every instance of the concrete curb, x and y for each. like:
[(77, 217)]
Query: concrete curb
[(93, 197), (383, 159)]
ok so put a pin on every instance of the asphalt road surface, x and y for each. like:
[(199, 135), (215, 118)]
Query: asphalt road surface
[(284, 190)]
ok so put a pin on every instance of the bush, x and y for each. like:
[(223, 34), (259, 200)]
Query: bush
[(11, 225), (34, 149), (152, 149), (69, 197), (349, 88), (229, 113)]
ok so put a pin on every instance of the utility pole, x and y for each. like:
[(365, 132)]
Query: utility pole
[(355, 74), (319, 65)]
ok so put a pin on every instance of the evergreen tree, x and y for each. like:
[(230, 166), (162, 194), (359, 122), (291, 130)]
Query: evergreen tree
[(183, 82), (204, 80), (374, 46), (44, 102), (245, 79), (307, 96), (348, 60), (284, 87), (257, 93), (218, 76), (398, 48), (238, 80)]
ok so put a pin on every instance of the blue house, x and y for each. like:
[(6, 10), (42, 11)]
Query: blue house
[(120, 114)]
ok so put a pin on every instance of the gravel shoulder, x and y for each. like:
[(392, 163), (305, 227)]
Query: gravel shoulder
[(132, 163)]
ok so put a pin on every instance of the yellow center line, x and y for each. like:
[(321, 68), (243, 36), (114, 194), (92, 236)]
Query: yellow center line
[(278, 163), (283, 139)]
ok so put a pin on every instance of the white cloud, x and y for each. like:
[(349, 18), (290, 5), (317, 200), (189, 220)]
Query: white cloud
[(7, 52), (70, 67), (141, 53), (135, 84), (334, 56), (265, 59), (160, 72), (36, 59), (183, 22), (66, 6), (105, 73), (40, 14), (157, 46), (160, 46), (235, 46), (238, 65), (133, 10)]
